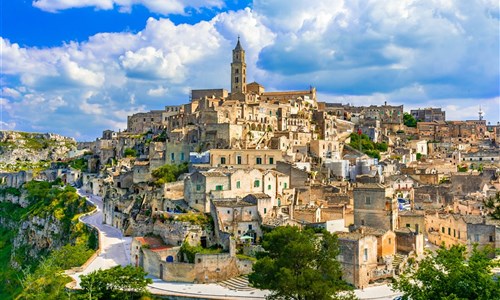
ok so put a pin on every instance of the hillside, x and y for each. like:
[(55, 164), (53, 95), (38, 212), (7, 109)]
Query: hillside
[(35, 220), (23, 150)]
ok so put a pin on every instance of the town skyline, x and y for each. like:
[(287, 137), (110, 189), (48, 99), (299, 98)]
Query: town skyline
[(85, 81)]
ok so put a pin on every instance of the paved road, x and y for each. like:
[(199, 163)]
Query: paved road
[(115, 250)]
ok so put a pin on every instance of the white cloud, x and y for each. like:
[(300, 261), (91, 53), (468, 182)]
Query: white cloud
[(164, 7), (150, 63), (10, 92), (7, 126), (158, 92)]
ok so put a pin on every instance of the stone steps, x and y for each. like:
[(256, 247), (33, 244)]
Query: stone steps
[(237, 283), (397, 260)]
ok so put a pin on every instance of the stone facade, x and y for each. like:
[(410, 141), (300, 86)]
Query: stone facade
[(358, 257), (375, 206)]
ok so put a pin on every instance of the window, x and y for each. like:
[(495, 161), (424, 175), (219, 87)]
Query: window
[(442, 229), (198, 187), (390, 241), (236, 79), (458, 234), (365, 254), (368, 200), (416, 228), (172, 156), (454, 233), (362, 222), (228, 212), (219, 187), (265, 210), (491, 238), (408, 225), (258, 160), (238, 160), (256, 183), (268, 186), (476, 237), (222, 160), (284, 185), (237, 71), (249, 226), (449, 231), (238, 184), (271, 160), (182, 156)]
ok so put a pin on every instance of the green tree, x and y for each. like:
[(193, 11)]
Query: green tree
[(129, 152), (300, 265), (450, 274), (493, 203), (409, 120), (115, 283), (168, 173)]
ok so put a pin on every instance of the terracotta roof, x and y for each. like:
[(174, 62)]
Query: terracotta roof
[(155, 244)]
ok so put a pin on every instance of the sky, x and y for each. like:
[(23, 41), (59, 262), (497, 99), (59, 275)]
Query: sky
[(78, 67)]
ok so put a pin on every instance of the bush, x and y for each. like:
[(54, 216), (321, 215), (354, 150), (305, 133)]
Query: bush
[(130, 152), (168, 173)]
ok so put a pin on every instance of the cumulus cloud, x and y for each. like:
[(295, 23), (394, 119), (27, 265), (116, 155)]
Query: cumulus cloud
[(417, 53), (157, 92), (157, 6)]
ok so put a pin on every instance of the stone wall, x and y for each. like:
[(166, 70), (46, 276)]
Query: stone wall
[(465, 184), (15, 180), (408, 241)]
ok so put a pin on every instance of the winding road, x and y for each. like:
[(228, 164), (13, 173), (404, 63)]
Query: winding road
[(115, 250)]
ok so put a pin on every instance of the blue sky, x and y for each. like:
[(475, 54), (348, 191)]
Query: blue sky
[(77, 67)]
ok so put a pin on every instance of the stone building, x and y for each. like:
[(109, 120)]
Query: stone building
[(375, 206), (428, 114), (245, 158), (167, 263), (453, 229), (358, 257)]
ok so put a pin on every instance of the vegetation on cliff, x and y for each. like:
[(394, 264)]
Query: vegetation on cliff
[(29, 234)]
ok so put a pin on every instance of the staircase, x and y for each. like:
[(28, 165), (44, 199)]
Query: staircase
[(398, 258), (237, 283)]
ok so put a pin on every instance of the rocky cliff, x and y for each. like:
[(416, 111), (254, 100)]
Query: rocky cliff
[(36, 219), (18, 150)]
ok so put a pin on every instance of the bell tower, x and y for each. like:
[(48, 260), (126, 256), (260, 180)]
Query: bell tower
[(238, 70)]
